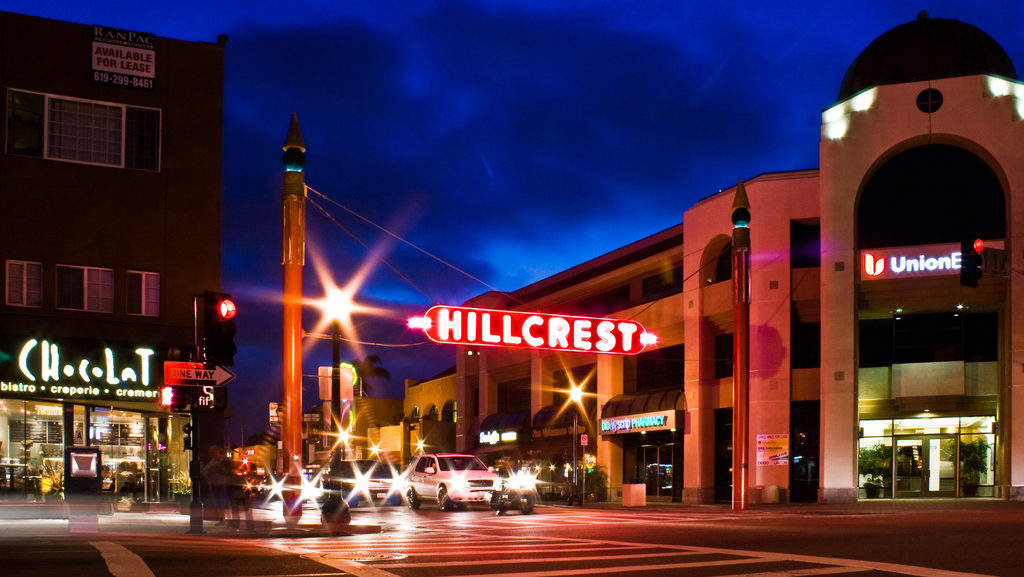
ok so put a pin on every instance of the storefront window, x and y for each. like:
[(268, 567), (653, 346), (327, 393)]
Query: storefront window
[(931, 457), (31, 449), (120, 435)]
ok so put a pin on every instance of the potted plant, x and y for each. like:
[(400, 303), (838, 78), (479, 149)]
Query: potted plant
[(875, 463), (595, 484), (973, 462)]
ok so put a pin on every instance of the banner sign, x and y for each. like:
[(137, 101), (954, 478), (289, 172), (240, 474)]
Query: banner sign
[(526, 330)]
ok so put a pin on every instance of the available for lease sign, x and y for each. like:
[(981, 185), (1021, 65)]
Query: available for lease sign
[(123, 58), (772, 450)]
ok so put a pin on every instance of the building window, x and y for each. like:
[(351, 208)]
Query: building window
[(514, 395), (660, 368), (723, 356), (144, 293), (723, 266), (663, 284), (24, 284), (85, 289), (88, 132)]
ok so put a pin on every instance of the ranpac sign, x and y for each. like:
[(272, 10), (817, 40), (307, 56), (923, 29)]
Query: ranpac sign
[(516, 329)]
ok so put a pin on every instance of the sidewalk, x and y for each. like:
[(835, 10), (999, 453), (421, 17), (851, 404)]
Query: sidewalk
[(38, 520), (35, 521)]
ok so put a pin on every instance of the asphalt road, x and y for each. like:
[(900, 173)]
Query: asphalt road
[(957, 539)]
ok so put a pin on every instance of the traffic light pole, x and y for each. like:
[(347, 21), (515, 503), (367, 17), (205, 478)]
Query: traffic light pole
[(195, 508)]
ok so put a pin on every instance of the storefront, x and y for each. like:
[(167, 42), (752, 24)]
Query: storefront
[(69, 393), (652, 449), (927, 457)]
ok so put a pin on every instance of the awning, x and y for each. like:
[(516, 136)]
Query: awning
[(557, 416), (516, 421), (639, 403)]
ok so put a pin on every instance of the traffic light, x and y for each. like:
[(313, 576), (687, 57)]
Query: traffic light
[(186, 439), (219, 328), (175, 398), (970, 262)]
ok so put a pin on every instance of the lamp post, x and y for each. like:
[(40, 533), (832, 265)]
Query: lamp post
[(335, 309), (335, 511), (293, 259), (575, 397), (741, 347)]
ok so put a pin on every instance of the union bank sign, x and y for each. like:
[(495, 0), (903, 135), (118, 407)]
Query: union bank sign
[(910, 262)]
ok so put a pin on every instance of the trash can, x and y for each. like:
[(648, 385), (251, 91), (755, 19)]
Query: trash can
[(634, 493), (83, 484)]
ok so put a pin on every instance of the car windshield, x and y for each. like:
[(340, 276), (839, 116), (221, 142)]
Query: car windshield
[(375, 469), (461, 463)]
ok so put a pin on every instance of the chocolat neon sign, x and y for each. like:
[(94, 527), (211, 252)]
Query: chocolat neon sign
[(516, 329)]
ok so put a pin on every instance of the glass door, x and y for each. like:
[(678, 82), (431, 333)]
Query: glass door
[(657, 470), (926, 466)]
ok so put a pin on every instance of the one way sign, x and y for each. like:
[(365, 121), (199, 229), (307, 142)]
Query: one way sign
[(198, 374)]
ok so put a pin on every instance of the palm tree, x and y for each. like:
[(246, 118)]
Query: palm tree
[(368, 370)]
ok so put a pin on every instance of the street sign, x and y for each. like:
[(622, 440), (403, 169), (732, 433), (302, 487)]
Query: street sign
[(584, 441), (196, 374)]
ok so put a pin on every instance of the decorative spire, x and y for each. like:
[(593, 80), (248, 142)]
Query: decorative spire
[(740, 207), (294, 149), (294, 138)]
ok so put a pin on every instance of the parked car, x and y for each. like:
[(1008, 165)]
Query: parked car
[(363, 480), (450, 479)]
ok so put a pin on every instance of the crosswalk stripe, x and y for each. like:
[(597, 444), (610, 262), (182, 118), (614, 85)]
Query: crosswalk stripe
[(120, 561)]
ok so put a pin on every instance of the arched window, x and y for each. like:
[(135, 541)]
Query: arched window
[(931, 194), (722, 270), (431, 413), (449, 413)]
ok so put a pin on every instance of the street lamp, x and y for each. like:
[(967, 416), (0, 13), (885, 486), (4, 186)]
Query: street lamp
[(335, 511), (576, 398), (337, 308)]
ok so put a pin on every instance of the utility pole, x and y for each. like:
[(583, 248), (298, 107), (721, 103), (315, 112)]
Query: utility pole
[(740, 346), (293, 258)]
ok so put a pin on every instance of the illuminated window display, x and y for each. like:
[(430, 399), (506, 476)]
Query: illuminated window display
[(142, 456), (936, 457)]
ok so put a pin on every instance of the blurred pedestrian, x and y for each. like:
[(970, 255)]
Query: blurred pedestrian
[(216, 473), (240, 494)]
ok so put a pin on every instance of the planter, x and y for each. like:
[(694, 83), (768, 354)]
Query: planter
[(872, 490)]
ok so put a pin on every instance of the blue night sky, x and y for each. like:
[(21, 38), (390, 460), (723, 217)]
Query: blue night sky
[(510, 139)]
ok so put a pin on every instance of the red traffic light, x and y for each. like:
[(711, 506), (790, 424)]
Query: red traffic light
[(227, 309), (979, 246)]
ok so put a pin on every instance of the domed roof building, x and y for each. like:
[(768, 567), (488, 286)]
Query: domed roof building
[(876, 365), (926, 49)]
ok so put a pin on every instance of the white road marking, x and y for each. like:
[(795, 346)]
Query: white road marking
[(453, 543), (120, 561)]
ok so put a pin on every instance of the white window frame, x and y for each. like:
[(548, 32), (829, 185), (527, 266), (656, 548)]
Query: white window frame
[(97, 296), (31, 293), (88, 131), (150, 297)]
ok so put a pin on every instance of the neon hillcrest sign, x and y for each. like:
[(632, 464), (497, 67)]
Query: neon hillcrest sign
[(516, 329)]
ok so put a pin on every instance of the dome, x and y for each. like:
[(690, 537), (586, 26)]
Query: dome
[(926, 49)]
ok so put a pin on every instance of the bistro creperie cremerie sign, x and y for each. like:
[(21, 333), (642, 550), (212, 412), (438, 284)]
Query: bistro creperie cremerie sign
[(516, 329)]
